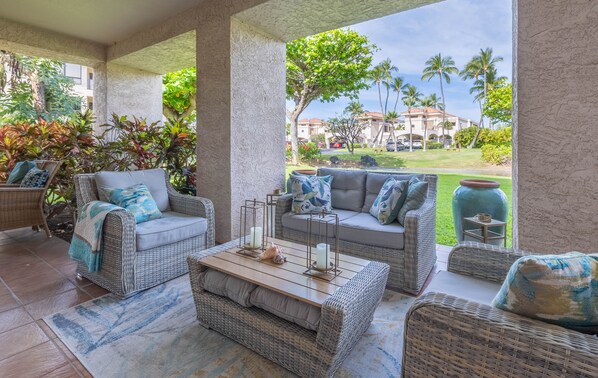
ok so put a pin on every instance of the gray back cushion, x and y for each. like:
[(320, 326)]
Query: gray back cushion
[(374, 183), (348, 188), (154, 179)]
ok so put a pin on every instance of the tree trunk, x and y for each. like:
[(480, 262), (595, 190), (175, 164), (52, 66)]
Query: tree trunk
[(375, 141), (480, 125), (393, 135), (38, 92), (410, 131), (294, 117), (443, 109)]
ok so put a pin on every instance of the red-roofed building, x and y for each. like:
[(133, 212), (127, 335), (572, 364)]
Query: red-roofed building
[(426, 123), (306, 128)]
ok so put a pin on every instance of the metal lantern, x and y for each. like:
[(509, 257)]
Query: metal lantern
[(271, 199), (322, 245), (252, 227)]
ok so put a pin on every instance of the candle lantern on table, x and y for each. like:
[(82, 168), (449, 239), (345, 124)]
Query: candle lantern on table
[(271, 199), (252, 228), (322, 245)]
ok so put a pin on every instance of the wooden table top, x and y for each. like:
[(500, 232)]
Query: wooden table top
[(287, 278)]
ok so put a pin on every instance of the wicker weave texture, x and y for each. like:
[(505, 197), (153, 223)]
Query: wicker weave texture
[(345, 317), (125, 270), (409, 267), (23, 207)]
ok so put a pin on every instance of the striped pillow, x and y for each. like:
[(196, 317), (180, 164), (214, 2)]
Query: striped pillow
[(417, 191)]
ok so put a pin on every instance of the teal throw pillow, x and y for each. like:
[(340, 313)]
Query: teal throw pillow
[(137, 199), (35, 178), (311, 193), (417, 191), (19, 171), (558, 289), (389, 201)]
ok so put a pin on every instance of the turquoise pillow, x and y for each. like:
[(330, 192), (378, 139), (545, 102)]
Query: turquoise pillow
[(137, 199), (558, 289), (417, 191), (19, 171), (389, 201), (35, 178), (311, 193)]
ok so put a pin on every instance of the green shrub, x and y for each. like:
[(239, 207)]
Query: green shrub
[(308, 151), (497, 155), (357, 145), (431, 145), (318, 138), (496, 137)]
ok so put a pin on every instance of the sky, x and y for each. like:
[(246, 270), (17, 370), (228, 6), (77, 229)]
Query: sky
[(456, 28)]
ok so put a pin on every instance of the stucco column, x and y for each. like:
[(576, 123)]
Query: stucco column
[(126, 91), (240, 117), (555, 153)]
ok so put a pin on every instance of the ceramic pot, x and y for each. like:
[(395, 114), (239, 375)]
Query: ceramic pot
[(300, 172), (478, 196)]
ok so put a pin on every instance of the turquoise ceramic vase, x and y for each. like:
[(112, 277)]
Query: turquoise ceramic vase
[(478, 196)]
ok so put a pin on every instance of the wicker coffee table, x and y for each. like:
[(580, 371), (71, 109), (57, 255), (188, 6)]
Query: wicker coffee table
[(347, 306)]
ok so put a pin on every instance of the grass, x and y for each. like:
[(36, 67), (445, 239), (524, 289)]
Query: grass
[(447, 183)]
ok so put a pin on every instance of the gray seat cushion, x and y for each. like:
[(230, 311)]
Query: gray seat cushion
[(348, 188), (363, 228), (473, 289), (301, 313), (228, 286), (171, 228), (298, 222), (374, 183), (154, 179)]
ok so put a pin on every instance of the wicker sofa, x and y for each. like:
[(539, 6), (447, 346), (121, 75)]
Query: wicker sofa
[(452, 331), (140, 256), (410, 251)]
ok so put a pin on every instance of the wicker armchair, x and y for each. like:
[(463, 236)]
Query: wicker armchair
[(125, 270), (448, 336), (24, 207)]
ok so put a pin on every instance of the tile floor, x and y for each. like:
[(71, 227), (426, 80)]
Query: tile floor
[(37, 279)]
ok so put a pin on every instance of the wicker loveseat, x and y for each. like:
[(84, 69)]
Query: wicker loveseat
[(452, 331), (140, 256), (410, 250)]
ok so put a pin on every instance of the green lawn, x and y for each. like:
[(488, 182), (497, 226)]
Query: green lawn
[(447, 183)]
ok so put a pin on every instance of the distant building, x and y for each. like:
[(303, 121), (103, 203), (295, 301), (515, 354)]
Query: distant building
[(426, 122), (306, 128), (83, 78)]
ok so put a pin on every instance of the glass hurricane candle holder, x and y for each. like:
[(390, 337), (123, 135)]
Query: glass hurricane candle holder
[(252, 228), (322, 245)]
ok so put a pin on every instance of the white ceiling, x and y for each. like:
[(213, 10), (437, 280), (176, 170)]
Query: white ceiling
[(102, 21)]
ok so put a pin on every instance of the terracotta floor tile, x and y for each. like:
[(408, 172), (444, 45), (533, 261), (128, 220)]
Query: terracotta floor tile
[(95, 291), (80, 282), (14, 271), (42, 286), (81, 369), (56, 303), (35, 362), (20, 339), (70, 356), (67, 371), (68, 268), (8, 302), (3, 288), (14, 318), (46, 329)]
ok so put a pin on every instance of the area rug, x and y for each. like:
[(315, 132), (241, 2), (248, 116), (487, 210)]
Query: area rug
[(155, 334)]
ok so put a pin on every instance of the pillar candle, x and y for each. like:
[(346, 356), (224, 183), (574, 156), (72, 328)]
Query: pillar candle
[(255, 237), (322, 256)]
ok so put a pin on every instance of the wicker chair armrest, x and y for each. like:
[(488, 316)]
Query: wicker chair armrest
[(195, 206), (14, 196), (120, 244), (349, 311), (283, 206), (450, 336), (488, 262), (420, 244), (5, 185)]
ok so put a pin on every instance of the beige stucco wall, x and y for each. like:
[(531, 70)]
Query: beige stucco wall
[(555, 166), (240, 117)]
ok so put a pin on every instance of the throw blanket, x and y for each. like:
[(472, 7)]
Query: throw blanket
[(86, 245)]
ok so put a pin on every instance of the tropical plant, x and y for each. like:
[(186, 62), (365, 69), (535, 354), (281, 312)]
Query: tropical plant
[(324, 67), (309, 151), (497, 154), (482, 69), (431, 101), (411, 99), (347, 127), (32, 88), (392, 117), (499, 103), (442, 67), (179, 94), (381, 76)]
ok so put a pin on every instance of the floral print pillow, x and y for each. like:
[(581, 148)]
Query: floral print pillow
[(311, 193), (137, 199), (389, 201)]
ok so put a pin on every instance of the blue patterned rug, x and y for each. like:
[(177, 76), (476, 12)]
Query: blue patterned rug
[(155, 334)]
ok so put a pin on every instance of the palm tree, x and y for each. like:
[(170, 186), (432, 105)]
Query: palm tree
[(381, 75), (391, 117), (430, 101), (443, 68), (410, 99), (482, 69), (397, 85)]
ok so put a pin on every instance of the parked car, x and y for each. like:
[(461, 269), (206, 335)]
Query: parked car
[(390, 146), (417, 144), (337, 145)]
